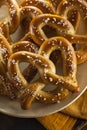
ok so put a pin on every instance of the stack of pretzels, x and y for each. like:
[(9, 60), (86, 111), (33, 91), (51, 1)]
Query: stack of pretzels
[(50, 37)]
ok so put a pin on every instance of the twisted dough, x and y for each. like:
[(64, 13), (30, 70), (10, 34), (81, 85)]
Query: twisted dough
[(6, 49), (47, 72), (11, 55), (44, 6), (32, 90), (64, 7), (36, 25), (73, 15), (10, 24)]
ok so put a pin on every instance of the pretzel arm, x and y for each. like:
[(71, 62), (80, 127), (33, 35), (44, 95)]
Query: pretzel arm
[(44, 6), (55, 21)]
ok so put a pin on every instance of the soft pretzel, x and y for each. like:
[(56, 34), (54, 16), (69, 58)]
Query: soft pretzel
[(22, 85), (10, 23), (16, 15), (6, 49), (81, 53), (36, 25), (51, 97), (73, 15), (34, 92), (47, 72), (64, 7), (70, 64)]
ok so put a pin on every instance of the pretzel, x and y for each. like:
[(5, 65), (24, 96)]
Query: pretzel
[(21, 84), (51, 97), (81, 40), (55, 21), (10, 24), (81, 6), (34, 92), (62, 44), (6, 50), (17, 15), (47, 72)]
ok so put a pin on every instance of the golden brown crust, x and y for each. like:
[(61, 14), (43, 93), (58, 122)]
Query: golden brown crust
[(43, 5), (40, 51), (81, 6), (10, 24), (63, 26), (46, 69)]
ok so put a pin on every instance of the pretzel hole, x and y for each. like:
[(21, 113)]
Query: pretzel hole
[(25, 24), (79, 46), (49, 88), (49, 31), (57, 60), (17, 35), (82, 28), (5, 13), (29, 72)]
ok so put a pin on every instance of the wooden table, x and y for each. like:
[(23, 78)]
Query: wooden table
[(13, 123)]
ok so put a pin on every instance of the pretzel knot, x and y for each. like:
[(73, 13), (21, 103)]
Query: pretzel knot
[(16, 15), (46, 70), (81, 6), (10, 24), (6, 49)]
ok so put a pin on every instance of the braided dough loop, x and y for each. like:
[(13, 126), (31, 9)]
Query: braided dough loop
[(69, 60), (7, 88), (46, 70), (29, 93), (6, 49), (73, 15), (64, 7), (35, 59), (81, 40), (26, 14), (10, 24), (53, 96), (36, 25), (44, 6), (34, 92)]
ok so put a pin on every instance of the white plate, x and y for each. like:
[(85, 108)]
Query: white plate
[(36, 110)]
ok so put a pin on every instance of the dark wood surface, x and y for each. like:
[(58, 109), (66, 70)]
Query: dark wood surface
[(13, 123)]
